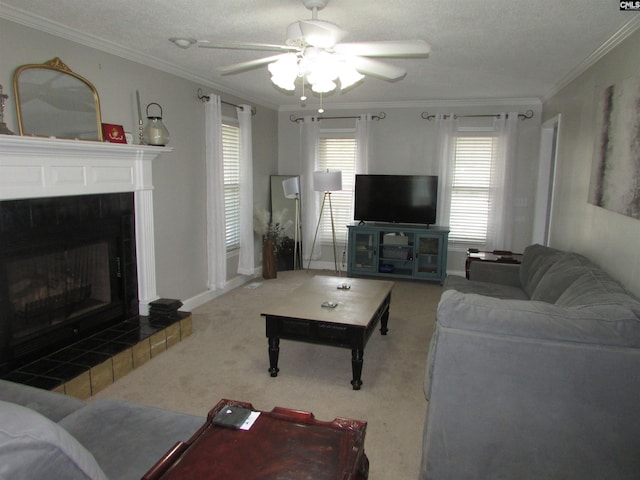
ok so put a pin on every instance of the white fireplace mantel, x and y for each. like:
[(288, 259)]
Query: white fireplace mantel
[(35, 167)]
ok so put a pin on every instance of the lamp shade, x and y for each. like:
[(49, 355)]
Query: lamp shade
[(291, 187), (327, 181)]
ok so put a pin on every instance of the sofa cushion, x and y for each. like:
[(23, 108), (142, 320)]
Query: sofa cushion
[(34, 447), (605, 324), (560, 274), (128, 438), (536, 260)]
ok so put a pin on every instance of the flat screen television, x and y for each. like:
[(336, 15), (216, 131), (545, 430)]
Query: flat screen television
[(396, 198)]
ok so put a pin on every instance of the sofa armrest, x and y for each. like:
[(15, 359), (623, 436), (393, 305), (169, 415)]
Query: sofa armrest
[(54, 406), (502, 273)]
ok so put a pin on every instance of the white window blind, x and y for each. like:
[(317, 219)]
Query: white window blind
[(338, 154), (231, 160), (471, 189)]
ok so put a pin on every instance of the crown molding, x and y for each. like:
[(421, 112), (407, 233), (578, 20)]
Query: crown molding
[(616, 39), (59, 30), (441, 103)]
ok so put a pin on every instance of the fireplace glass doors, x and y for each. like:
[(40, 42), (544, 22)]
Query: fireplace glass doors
[(67, 269), (52, 289)]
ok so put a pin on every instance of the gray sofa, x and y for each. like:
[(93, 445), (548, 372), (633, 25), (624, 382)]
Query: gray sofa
[(46, 435), (533, 372)]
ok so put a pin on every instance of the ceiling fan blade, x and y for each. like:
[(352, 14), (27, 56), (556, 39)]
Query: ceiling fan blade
[(319, 33), (378, 69), (247, 46), (391, 48), (243, 66)]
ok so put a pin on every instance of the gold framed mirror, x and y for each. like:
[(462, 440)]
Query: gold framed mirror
[(53, 101)]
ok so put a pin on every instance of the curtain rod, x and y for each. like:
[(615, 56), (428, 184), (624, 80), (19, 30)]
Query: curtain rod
[(379, 116), (522, 116), (205, 98)]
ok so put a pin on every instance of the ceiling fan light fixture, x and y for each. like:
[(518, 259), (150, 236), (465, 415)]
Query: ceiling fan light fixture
[(284, 72), (349, 76), (323, 86)]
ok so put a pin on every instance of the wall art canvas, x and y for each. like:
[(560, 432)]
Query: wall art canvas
[(615, 170)]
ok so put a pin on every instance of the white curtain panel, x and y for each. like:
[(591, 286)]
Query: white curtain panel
[(363, 142), (501, 213), (447, 125), (246, 260), (216, 249), (309, 134)]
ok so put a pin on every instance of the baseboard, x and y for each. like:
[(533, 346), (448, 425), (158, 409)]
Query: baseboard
[(194, 302)]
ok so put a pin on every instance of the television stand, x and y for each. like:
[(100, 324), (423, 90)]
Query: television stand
[(398, 251)]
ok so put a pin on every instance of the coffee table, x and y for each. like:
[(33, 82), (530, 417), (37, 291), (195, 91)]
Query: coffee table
[(281, 444), (300, 316)]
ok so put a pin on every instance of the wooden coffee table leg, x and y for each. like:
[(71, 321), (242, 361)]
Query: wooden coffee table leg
[(274, 351), (363, 468), (356, 367)]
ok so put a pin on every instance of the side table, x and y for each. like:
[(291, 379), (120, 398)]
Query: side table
[(496, 256), (281, 444)]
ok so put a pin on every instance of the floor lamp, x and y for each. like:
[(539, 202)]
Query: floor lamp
[(291, 187), (326, 182)]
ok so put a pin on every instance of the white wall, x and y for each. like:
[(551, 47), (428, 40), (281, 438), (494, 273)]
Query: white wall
[(608, 238), (405, 143), (179, 193)]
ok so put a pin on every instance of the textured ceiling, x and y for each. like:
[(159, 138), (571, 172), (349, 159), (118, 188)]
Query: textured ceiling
[(481, 49)]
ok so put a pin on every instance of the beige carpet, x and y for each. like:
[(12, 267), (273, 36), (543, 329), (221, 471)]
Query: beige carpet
[(226, 357)]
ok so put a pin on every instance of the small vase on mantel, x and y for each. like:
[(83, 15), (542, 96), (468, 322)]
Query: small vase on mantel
[(269, 259)]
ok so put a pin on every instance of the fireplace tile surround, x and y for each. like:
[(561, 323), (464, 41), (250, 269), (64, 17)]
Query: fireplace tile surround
[(34, 167)]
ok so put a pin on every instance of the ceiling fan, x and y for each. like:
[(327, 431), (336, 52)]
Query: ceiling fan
[(314, 53)]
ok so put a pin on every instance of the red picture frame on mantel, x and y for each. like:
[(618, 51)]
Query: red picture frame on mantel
[(113, 133)]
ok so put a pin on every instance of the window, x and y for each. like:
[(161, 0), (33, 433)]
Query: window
[(337, 151), (471, 187), (231, 160)]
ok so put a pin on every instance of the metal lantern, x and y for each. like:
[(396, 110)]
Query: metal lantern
[(155, 133)]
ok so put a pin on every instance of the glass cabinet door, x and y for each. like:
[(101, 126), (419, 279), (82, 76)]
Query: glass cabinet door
[(428, 256), (364, 251)]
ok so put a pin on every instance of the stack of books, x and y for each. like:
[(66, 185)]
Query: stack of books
[(164, 310)]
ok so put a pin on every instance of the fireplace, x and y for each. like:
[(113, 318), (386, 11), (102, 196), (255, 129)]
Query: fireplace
[(83, 210), (67, 269)]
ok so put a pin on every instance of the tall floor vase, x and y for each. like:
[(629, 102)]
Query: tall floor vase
[(269, 259)]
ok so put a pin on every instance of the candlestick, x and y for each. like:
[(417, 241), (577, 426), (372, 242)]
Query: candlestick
[(140, 127)]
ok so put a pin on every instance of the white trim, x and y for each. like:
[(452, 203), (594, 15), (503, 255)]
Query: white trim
[(200, 299), (442, 103), (547, 175), (616, 39)]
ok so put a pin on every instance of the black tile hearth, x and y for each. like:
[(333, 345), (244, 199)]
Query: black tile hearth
[(70, 362)]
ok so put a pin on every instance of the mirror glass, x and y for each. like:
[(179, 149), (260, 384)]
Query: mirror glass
[(52, 101), (286, 209)]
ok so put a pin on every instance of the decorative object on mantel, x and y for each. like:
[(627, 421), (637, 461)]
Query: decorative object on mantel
[(52, 101), (155, 133), (271, 230), (615, 169), (3, 126), (140, 123), (113, 133)]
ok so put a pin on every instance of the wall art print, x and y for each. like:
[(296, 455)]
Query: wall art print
[(615, 170)]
